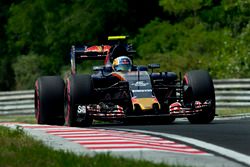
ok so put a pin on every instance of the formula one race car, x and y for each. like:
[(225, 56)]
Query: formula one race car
[(121, 91)]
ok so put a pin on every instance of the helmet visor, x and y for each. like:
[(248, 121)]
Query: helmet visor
[(123, 67)]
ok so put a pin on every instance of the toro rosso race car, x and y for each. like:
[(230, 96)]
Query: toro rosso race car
[(121, 91)]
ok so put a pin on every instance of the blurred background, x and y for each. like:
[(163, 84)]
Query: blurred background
[(36, 35)]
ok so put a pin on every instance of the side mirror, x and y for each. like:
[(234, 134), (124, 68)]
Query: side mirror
[(108, 68), (142, 68), (152, 66), (98, 68)]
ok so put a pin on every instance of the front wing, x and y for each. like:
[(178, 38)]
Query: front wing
[(112, 111)]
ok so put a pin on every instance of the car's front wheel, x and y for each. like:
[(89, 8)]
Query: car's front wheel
[(78, 95), (201, 89)]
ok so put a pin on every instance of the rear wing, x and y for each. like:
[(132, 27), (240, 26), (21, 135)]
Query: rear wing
[(116, 47), (85, 53), (77, 54)]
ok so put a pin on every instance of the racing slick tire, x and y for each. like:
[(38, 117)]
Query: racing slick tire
[(49, 100), (202, 89), (79, 92)]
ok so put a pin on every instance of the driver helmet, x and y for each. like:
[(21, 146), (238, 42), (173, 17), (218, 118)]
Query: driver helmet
[(122, 63)]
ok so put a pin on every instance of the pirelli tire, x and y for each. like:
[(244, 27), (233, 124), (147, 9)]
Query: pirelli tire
[(49, 100), (202, 89), (79, 92)]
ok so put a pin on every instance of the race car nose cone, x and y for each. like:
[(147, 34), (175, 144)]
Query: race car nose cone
[(145, 103)]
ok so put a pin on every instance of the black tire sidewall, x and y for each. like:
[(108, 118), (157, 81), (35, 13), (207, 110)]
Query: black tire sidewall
[(79, 92), (202, 89), (49, 100)]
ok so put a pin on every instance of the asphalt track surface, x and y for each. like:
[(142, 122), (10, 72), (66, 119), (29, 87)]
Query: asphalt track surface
[(233, 134)]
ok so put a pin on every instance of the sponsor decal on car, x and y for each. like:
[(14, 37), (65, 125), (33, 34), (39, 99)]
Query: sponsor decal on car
[(141, 90), (140, 83), (81, 109)]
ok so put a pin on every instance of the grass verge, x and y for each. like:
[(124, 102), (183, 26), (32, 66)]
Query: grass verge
[(18, 118), (232, 111), (18, 149)]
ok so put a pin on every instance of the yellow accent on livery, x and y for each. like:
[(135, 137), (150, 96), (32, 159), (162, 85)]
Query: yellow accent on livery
[(145, 103), (116, 37)]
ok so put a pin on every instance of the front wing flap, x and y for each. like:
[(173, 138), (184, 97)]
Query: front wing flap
[(178, 110)]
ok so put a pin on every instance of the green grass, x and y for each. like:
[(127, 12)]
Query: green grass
[(18, 118), (17, 149), (232, 111)]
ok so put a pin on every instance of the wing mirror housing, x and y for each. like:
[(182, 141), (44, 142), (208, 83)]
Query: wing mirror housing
[(153, 66), (98, 68)]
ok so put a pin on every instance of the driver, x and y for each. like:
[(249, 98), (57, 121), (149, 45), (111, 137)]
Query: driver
[(122, 64)]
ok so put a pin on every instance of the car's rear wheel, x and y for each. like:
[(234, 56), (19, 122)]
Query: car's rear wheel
[(49, 100), (78, 94), (201, 89)]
